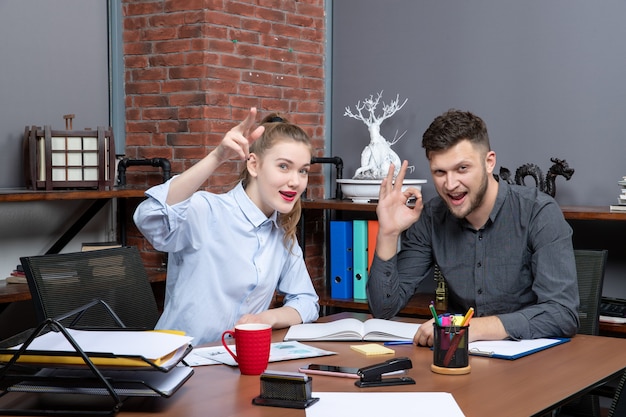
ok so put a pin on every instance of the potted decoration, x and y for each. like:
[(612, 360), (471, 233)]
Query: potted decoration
[(377, 155)]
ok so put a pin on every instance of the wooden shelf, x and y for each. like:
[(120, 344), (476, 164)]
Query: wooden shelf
[(20, 292), (592, 213), (340, 205), (416, 307), (19, 194), (612, 329), (570, 212)]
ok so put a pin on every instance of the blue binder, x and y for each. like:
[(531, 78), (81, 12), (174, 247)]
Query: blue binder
[(341, 259), (359, 244)]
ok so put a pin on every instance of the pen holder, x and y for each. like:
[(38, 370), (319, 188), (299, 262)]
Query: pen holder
[(450, 351)]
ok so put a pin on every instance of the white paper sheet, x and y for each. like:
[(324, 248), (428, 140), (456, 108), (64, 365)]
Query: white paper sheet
[(149, 344), (377, 404), (279, 351)]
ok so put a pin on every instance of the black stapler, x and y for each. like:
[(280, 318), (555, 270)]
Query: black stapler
[(372, 376)]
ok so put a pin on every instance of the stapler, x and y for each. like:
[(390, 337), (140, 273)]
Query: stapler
[(372, 376)]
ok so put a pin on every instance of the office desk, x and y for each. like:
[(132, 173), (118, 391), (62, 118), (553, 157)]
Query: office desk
[(495, 387)]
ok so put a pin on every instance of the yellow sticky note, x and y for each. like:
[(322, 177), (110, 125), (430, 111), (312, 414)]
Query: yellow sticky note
[(372, 349)]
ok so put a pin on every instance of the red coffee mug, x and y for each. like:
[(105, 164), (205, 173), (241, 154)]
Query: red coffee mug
[(252, 346)]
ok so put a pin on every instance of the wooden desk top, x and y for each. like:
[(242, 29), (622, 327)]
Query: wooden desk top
[(521, 388)]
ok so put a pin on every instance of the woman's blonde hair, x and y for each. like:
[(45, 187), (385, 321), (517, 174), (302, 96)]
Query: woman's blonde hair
[(277, 129)]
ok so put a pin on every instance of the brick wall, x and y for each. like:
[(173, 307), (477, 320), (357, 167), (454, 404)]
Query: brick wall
[(194, 67)]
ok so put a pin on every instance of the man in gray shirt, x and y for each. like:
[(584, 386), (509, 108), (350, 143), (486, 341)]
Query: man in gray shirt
[(505, 250)]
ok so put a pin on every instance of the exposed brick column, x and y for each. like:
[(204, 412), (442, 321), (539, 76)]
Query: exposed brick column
[(194, 67)]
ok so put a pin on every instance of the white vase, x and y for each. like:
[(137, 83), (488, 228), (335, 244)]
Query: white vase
[(365, 191)]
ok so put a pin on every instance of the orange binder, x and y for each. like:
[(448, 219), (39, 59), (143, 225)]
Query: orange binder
[(372, 232)]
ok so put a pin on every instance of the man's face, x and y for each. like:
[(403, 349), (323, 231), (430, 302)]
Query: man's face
[(460, 176)]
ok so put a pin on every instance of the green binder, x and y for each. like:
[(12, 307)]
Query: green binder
[(359, 244)]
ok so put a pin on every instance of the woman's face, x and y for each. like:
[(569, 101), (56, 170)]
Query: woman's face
[(279, 177)]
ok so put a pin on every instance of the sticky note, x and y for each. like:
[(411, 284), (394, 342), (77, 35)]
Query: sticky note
[(372, 349)]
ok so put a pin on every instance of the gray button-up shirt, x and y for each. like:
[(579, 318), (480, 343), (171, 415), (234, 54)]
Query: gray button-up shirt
[(520, 266)]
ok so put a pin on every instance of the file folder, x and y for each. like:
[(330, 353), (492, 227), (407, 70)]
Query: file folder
[(372, 233), (513, 349), (359, 233), (341, 259)]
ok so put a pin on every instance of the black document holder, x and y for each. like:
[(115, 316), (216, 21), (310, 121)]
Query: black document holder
[(21, 378)]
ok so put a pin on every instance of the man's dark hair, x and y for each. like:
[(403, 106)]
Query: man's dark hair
[(452, 127)]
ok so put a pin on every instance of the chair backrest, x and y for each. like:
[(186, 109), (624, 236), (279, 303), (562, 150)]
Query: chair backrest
[(590, 266), (61, 283)]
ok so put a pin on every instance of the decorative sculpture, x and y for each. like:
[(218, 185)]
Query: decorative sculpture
[(377, 155), (547, 185)]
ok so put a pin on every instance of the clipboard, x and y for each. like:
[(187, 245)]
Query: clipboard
[(513, 349)]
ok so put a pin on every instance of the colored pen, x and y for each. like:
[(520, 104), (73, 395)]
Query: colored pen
[(434, 313), (468, 316), (398, 342)]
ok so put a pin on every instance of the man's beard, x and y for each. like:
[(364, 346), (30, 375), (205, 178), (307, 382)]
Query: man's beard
[(475, 200)]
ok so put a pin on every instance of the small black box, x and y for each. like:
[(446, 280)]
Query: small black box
[(285, 389)]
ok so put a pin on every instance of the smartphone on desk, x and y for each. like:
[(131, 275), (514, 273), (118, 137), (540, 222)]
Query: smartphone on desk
[(330, 370)]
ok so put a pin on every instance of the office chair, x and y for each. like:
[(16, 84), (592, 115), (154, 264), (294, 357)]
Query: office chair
[(590, 265), (618, 406), (109, 279)]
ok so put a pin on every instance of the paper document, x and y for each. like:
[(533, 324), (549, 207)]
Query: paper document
[(148, 344), (377, 404), (281, 351)]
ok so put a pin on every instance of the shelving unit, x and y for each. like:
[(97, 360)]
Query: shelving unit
[(19, 292), (417, 306)]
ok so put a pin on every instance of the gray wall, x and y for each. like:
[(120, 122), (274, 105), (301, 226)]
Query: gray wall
[(53, 61), (546, 76)]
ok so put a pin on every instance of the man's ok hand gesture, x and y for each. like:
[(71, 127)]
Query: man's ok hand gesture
[(395, 211)]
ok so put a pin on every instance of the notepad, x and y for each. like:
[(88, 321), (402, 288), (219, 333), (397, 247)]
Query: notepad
[(372, 349)]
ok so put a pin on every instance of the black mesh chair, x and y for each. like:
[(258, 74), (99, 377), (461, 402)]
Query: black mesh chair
[(590, 265), (107, 280)]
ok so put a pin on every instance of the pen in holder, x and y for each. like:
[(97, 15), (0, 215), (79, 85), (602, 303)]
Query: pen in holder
[(450, 350)]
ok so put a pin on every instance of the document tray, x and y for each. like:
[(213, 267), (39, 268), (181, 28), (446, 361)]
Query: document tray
[(26, 378), (125, 383)]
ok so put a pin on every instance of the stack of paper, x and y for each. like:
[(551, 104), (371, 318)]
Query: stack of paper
[(104, 347), (621, 198)]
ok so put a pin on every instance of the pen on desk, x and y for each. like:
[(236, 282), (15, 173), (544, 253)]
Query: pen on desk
[(434, 313), (398, 342)]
